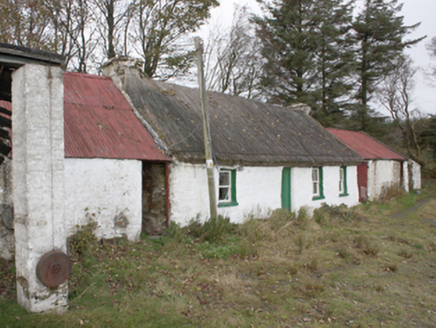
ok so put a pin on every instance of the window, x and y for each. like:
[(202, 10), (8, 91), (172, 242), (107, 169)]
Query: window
[(343, 191), (317, 186), (227, 188)]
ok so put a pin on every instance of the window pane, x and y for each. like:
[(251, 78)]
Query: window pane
[(315, 175), (224, 178), (315, 188), (224, 194), (341, 179)]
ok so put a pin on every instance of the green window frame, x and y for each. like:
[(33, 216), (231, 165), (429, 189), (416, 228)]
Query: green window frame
[(227, 188), (317, 183), (343, 189)]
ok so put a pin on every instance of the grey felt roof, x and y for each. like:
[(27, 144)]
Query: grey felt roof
[(243, 131)]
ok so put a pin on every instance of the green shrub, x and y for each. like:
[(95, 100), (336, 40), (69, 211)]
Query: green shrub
[(212, 230), (227, 247), (368, 246), (389, 193), (82, 242), (280, 218), (331, 214), (252, 230)]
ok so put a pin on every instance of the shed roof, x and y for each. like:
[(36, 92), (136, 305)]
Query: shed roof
[(99, 122), (365, 145), (18, 56), (13, 57), (242, 130)]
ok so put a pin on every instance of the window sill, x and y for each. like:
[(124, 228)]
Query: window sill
[(228, 204), (318, 197), (344, 195)]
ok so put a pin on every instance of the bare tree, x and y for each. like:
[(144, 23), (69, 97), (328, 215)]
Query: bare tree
[(159, 24), (234, 63), (395, 96), (113, 18), (24, 23), (431, 48), (87, 32)]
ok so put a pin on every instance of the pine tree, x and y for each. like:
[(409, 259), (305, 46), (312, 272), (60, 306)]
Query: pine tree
[(334, 60), (308, 54), (289, 42), (379, 35)]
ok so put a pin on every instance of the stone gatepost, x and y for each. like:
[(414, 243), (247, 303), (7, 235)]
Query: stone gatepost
[(38, 182)]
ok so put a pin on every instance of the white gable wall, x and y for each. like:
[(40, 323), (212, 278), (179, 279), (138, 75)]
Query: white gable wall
[(107, 191), (405, 179), (382, 174), (258, 191), (415, 175)]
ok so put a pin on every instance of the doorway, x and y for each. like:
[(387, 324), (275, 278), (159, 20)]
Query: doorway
[(362, 181), (286, 189), (154, 198)]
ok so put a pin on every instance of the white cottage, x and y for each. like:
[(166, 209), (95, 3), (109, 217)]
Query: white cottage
[(382, 167), (79, 155), (266, 157), (109, 157)]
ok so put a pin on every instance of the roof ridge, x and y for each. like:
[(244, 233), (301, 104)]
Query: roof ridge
[(88, 76)]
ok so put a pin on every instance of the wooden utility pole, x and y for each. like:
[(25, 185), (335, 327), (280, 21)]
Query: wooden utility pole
[(206, 130)]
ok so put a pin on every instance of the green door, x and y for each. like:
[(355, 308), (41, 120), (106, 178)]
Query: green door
[(286, 188)]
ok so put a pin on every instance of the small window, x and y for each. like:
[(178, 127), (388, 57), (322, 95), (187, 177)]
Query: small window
[(227, 188), (317, 183), (343, 181)]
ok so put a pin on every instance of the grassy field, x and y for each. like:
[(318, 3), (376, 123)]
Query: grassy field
[(369, 266)]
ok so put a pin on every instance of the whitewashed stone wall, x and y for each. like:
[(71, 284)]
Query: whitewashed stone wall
[(188, 193), (301, 190), (405, 179), (258, 191), (106, 191), (415, 175), (382, 174)]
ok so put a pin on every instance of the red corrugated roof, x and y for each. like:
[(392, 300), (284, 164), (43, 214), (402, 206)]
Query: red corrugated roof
[(6, 104), (366, 146), (99, 122)]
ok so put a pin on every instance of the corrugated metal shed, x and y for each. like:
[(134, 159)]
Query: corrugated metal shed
[(243, 131), (365, 145), (99, 122)]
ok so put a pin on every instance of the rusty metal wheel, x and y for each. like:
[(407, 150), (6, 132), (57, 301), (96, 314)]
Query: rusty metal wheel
[(54, 268)]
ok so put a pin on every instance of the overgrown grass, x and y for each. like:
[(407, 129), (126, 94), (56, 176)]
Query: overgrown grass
[(367, 266)]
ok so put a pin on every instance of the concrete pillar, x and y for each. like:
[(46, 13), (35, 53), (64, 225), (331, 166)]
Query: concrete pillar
[(38, 180)]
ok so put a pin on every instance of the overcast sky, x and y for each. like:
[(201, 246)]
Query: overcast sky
[(414, 11)]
